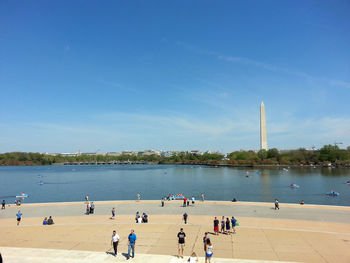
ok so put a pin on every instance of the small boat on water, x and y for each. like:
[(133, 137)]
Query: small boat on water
[(294, 186), (332, 193), (285, 169), (41, 183), (22, 195)]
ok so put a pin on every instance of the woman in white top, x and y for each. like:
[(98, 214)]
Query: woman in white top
[(208, 251), (193, 258)]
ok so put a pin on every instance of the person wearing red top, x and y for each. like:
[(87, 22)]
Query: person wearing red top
[(185, 201)]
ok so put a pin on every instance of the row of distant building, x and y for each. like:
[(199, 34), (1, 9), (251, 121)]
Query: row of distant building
[(135, 153)]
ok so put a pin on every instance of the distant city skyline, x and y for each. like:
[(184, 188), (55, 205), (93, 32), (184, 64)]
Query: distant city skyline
[(114, 75)]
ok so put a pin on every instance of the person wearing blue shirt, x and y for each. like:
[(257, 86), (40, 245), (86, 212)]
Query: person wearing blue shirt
[(45, 221), (19, 217), (132, 241), (234, 223)]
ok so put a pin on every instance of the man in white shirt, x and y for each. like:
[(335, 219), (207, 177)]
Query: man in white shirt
[(115, 241)]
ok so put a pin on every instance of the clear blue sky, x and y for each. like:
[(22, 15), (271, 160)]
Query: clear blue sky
[(118, 75)]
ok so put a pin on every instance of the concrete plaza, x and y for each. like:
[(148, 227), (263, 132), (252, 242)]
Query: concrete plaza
[(293, 234)]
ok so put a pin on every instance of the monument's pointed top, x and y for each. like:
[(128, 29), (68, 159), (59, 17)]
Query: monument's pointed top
[(262, 103)]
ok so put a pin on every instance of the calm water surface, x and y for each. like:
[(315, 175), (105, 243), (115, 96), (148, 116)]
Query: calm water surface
[(123, 182)]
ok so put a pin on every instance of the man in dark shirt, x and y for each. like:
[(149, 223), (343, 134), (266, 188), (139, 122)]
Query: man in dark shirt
[(216, 225), (181, 236), (50, 221), (185, 217), (3, 204)]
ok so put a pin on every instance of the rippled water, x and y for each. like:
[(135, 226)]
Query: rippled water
[(123, 182)]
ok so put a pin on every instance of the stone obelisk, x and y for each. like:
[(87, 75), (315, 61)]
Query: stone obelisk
[(263, 139)]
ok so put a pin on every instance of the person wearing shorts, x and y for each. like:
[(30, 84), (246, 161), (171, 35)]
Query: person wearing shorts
[(208, 251), (19, 217), (234, 223), (205, 240), (216, 225), (181, 243)]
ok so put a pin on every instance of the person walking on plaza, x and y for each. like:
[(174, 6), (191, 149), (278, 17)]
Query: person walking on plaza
[(205, 240), (277, 205), (113, 213), (202, 195), (162, 201), (216, 225), (193, 200), (86, 198), (181, 242), (115, 242), (138, 196), (208, 251), (3, 204), (234, 223), (185, 201), (19, 217), (223, 224), (132, 241), (185, 216)]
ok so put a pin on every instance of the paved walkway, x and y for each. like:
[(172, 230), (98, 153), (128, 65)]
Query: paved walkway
[(239, 209), (31, 255), (320, 234)]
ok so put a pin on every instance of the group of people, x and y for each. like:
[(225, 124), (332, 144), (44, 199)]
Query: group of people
[(131, 243), (226, 225), (187, 201), (48, 221), (90, 208), (141, 219), (208, 247)]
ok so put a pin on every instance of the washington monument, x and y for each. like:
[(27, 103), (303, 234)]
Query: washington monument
[(263, 139)]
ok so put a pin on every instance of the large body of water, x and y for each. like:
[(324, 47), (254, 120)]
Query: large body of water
[(123, 182)]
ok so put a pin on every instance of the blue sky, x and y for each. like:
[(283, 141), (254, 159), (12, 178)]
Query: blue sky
[(132, 75)]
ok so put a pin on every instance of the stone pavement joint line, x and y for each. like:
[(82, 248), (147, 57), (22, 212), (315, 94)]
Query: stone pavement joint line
[(35, 255)]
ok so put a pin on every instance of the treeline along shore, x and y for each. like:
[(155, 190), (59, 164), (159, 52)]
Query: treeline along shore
[(328, 155)]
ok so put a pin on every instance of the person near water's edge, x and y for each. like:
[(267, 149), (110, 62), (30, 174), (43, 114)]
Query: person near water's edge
[(277, 205), (132, 241), (181, 242), (115, 242), (3, 204)]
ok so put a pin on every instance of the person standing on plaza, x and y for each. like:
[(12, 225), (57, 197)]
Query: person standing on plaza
[(185, 201), (88, 208), (92, 208), (202, 195), (162, 201), (138, 196), (113, 213), (115, 242), (181, 243), (193, 200), (234, 223), (86, 198), (228, 227), (216, 226), (3, 204), (205, 240), (208, 251), (185, 216), (19, 217), (223, 224), (277, 205), (132, 241)]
